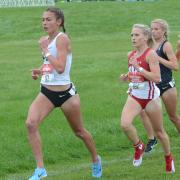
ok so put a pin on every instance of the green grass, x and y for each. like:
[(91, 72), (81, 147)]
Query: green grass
[(100, 34)]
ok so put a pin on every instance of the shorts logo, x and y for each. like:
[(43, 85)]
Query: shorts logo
[(61, 95), (164, 87)]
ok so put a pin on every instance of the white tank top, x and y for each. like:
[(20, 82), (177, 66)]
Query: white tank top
[(50, 76)]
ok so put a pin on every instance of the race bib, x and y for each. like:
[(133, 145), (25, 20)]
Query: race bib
[(136, 85), (47, 75)]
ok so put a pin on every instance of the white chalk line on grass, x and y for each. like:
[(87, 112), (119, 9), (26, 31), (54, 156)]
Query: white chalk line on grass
[(79, 167)]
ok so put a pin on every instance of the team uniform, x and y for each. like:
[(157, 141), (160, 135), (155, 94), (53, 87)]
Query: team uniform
[(167, 80), (51, 77), (140, 88)]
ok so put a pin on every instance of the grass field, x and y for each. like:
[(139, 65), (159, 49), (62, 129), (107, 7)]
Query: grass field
[(100, 34)]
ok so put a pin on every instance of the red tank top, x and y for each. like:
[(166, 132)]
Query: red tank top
[(134, 75)]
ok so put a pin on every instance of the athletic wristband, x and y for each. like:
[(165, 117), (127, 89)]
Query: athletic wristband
[(140, 69), (47, 54)]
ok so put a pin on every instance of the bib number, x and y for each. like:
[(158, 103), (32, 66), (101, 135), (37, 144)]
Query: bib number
[(47, 77), (136, 85)]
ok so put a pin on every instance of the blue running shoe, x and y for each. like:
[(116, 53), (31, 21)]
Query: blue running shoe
[(39, 173), (97, 168)]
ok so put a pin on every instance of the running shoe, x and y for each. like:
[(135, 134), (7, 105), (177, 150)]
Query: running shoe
[(39, 173), (97, 168), (150, 145), (139, 150), (170, 168)]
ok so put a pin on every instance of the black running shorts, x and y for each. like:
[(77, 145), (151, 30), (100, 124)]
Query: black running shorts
[(57, 98)]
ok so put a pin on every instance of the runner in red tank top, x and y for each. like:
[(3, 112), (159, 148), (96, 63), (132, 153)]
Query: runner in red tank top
[(143, 73)]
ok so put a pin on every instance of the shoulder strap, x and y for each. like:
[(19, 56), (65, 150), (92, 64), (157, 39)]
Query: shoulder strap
[(131, 54), (146, 51), (162, 45)]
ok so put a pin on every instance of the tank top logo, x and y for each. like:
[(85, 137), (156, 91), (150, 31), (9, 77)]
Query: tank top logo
[(135, 77)]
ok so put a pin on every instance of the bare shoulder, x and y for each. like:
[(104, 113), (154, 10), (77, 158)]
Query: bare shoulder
[(167, 43), (151, 53), (151, 56), (167, 46), (63, 39)]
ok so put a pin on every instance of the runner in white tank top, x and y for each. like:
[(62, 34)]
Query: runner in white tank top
[(56, 91), (50, 76)]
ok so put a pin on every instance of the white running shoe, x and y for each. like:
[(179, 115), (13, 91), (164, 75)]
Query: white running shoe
[(139, 150), (170, 168)]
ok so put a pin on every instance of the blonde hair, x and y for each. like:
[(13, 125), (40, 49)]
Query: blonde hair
[(146, 31), (164, 25)]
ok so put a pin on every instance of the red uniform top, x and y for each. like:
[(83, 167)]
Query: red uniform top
[(134, 75), (139, 86)]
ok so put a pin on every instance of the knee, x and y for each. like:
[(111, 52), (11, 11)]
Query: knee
[(80, 133), (31, 125), (124, 126), (173, 118), (160, 134)]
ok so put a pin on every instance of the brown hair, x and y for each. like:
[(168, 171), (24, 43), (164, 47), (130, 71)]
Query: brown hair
[(59, 15)]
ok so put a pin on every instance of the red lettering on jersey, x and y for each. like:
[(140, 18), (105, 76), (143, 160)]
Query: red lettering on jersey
[(47, 68), (135, 77)]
